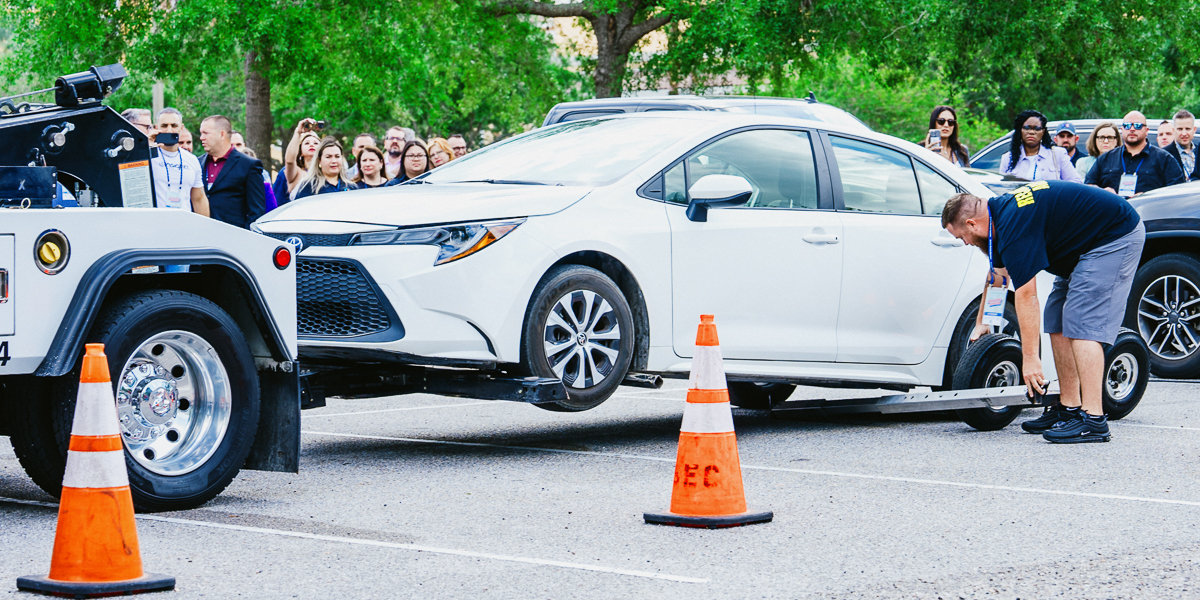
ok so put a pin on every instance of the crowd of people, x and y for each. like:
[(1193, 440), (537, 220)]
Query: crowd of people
[(1118, 156), (229, 183)]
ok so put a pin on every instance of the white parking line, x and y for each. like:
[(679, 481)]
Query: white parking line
[(1160, 427), (959, 484), (378, 544), (386, 410)]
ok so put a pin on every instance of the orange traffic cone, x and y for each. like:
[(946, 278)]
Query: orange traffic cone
[(96, 547), (708, 475)]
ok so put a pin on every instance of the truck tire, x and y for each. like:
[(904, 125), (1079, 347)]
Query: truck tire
[(962, 338), (1126, 374), (179, 453), (758, 396), (1161, 308), (994, 360), (578, 329)]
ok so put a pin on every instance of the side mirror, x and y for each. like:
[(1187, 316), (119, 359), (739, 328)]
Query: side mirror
[(715, 191)]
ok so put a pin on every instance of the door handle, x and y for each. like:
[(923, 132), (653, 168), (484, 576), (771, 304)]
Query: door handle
[(947, 242), (821, 238)]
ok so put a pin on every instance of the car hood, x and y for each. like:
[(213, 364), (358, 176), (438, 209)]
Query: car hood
[(405, 205)]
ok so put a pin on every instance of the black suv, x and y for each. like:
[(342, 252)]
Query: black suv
[(796, 108)]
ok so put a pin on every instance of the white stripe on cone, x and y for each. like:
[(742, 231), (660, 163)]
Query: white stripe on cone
[(708, 372), (95, 410), (707, 417), (95, 469)]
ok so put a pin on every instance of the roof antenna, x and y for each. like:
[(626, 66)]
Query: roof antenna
[(812, 98)]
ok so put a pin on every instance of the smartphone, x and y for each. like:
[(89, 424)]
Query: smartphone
[(167, 139), (320, 125), (935, 139)]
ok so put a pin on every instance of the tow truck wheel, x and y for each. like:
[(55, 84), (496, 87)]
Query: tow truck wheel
[(1126, 374), (187, 399), (760, 396), (578, 329), (994, 360)]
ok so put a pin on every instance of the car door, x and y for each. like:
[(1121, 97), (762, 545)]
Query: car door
[(900, 270), (769, 270)]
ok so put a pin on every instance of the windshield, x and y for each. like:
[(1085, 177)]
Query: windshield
[(822, 113), (586, 153)]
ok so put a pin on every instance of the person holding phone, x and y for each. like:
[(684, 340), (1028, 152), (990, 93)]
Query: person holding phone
[(1032, 155), (297, 158), (943, 136)]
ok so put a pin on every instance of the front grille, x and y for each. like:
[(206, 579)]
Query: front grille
[(317, 239), (335, 299)]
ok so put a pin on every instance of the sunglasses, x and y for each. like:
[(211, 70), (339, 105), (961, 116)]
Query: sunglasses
[(1032, 128), (950, 122), (1134, 126)]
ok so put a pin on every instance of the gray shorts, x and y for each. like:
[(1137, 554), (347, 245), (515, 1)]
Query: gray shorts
[(1090, 304)]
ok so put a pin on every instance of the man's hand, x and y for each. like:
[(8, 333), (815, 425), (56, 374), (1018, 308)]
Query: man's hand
[(1110, 190), (1031, 368), (980, 331)]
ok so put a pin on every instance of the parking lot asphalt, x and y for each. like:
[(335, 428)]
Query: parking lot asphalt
[(431, 497)]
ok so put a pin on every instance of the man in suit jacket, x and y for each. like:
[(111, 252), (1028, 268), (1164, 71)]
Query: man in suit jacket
[(232, 180), (1184, 147)]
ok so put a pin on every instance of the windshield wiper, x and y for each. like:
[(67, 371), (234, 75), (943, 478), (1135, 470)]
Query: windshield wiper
[(505, 182)]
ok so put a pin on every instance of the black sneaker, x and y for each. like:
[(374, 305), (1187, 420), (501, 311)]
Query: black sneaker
[(1054, 413), (1079, 431)]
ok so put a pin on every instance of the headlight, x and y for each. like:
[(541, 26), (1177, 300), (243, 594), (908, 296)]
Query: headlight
[(454, 241)]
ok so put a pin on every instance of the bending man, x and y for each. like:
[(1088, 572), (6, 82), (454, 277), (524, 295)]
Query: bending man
[(1092, 240)]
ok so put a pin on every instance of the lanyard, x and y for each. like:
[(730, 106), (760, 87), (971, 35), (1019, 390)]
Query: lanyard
[(167, 168), (991, 262), (1125, 169)]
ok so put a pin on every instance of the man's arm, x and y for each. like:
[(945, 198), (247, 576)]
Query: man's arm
[(256, 194), (1172, 172), (200, 202), (1029, 318)]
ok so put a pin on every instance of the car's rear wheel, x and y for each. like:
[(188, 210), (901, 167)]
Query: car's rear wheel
[(1164, 307), (579, 329)]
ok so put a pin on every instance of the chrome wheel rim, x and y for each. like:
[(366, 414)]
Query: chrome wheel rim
[(174, 402), (582, 339), (1166, 317), (1004, 374), (1122, 377)]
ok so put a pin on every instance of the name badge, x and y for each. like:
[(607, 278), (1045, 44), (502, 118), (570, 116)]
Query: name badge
[(174, 201), (993, 306), (1128, 185)]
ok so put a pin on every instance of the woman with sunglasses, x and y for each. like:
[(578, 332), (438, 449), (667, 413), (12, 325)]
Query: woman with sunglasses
[(944, 119), (1033, 156), (415, 162), (1104, 138)]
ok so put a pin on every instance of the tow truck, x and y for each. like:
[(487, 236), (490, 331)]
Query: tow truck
[(202, 356)]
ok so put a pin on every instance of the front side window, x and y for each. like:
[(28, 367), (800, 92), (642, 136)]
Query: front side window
[(876, 179), (777, 163)]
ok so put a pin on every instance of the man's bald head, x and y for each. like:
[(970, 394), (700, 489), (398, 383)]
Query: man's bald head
[(965, 217), (1134, 135)]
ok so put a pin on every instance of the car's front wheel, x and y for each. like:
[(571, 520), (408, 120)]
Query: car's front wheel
[(579, 329)]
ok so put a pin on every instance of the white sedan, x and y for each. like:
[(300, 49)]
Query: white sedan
[(588, 250)]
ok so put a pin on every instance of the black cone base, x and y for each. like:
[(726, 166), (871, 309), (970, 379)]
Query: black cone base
[(746, 518), (80, 589)]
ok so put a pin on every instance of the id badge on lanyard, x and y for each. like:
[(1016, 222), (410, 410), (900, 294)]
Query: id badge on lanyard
[(1128, 185), (996, 296), (173, 199)]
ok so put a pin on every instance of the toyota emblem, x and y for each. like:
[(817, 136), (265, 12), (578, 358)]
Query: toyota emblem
[(296, 241)]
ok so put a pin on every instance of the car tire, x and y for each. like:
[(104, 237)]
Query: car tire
[(758, 396), (994, 360), (1126, 374), (961, 339), (201, 441), (1160, 288), (578, 329)]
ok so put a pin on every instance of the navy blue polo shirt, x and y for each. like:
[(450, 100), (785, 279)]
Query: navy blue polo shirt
[(1049, 225), (1154, 166)]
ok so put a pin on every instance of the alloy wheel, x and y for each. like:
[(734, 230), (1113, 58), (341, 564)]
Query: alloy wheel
[(582, 339), (1166, 317)]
